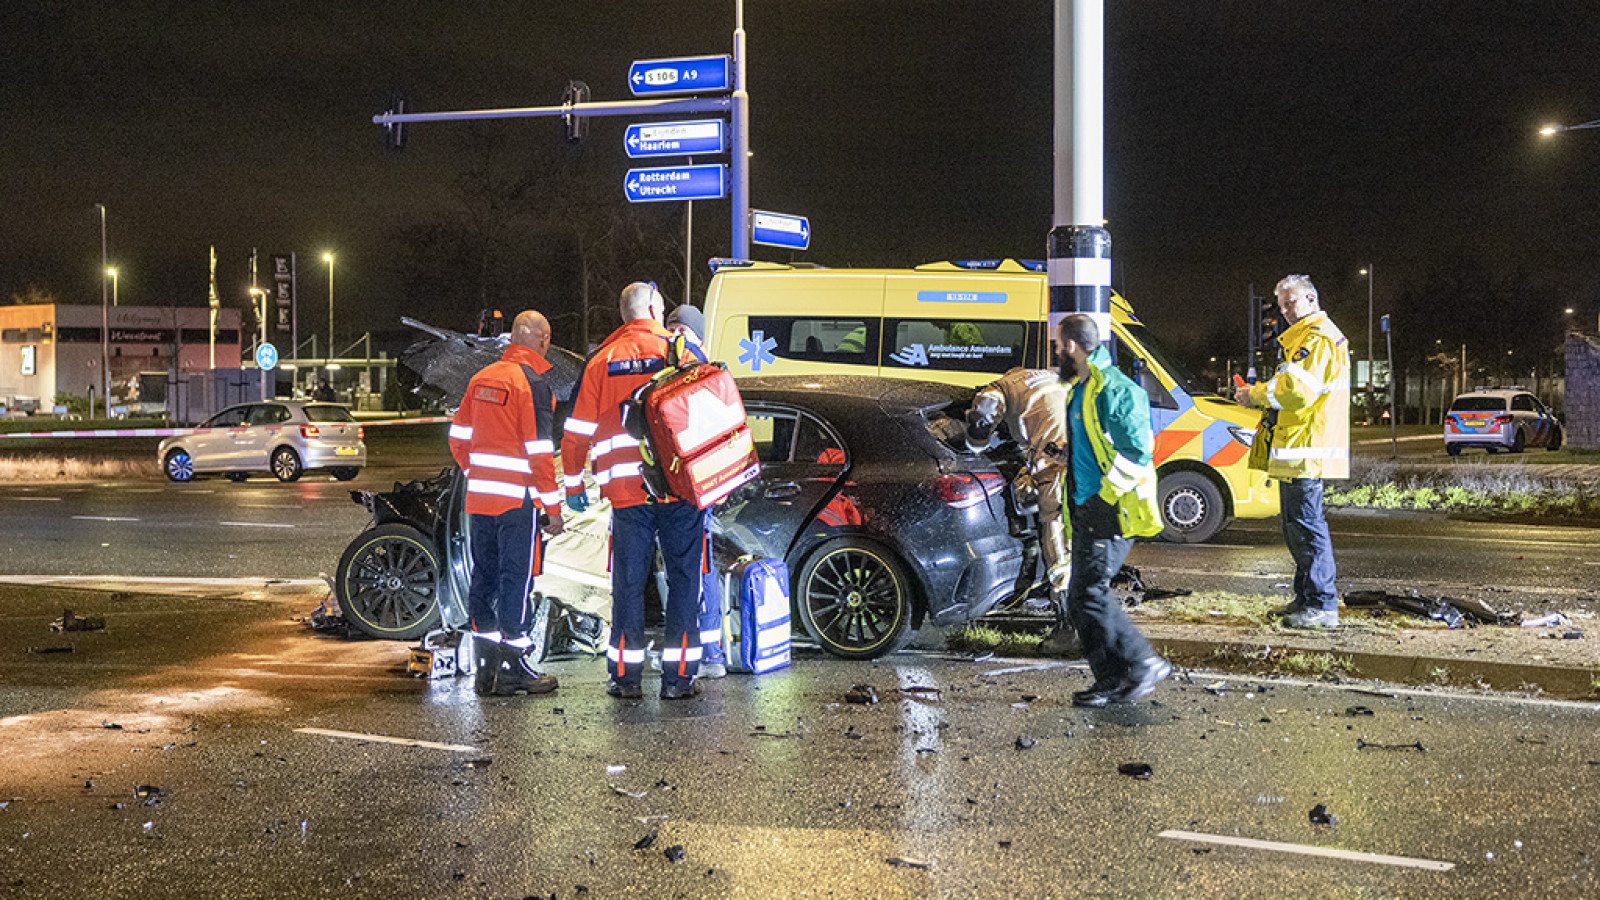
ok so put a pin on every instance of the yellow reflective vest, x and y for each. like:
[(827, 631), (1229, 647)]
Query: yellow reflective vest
[(1311, 394), (1116, 415)]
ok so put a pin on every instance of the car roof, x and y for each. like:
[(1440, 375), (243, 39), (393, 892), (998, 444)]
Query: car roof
[(892, 395)]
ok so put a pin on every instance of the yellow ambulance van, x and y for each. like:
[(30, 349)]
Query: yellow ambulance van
[(968, 323)]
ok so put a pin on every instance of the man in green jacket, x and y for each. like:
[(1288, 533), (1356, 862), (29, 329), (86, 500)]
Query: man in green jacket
[(1310, 441), (1112, 492)]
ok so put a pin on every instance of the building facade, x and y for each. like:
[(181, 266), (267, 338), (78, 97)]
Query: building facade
[(52, 349)]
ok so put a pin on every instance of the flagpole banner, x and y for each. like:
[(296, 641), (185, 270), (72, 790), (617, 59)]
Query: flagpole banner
[(283, 296)]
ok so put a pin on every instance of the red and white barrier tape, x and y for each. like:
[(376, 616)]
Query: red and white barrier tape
[(169, 432)]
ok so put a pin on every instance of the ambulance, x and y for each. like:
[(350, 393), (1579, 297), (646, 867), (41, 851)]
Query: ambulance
[(967, 323)]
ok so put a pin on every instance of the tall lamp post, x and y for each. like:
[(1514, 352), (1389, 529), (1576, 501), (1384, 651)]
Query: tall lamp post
[(1368, 272), (328, 356), (1553, 129), (105, 322)]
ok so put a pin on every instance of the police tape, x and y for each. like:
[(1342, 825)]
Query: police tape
[(170, 432)]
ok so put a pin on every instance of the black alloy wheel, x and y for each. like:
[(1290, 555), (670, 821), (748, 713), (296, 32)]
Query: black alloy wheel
[(855, 599), (388, 583)]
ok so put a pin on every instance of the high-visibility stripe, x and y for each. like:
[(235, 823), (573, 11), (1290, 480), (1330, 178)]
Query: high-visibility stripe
[(1312, 383), (711, 637), (681, 654), (615, 442), (579, 426), (620, 470), (628, 657), (496, 461), (1272, 393), (551, 499), (572, 481), (1295, 453), (539, 448), (1125, 474), (461, 432), (498, 488)]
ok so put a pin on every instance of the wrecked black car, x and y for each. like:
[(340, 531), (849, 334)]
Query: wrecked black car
[(867, 492)]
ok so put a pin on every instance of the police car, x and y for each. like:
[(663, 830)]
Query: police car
[(1502, 419)]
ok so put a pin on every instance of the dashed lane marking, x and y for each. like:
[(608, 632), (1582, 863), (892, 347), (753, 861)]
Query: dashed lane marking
[(106, 518), (257, 524), (56, 499), (386, 739), (1304, 850)]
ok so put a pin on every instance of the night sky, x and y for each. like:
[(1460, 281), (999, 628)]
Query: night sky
[(1244, 140)]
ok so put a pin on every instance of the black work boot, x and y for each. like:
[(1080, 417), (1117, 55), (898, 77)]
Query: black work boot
[(514, 676), (486, 663)]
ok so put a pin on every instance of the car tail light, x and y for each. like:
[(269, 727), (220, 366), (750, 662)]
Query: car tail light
[(1452, 417), (1502, 420), (964, 489), (361, 432), (310, 431)]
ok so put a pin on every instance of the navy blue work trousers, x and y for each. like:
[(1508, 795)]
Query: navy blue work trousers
[(1305, 530), (507, 552), (1110, 639), (635, 530)]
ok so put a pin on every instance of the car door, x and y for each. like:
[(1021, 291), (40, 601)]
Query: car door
[(211, 445), (264, 429), (801, 463)]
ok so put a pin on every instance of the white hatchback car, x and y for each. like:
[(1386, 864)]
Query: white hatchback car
[(285, 438), (1508, 419)]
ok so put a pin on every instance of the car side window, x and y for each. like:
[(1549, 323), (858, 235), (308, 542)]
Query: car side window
[(268, 414), (782, 437), (228, 418), (1524, 403)]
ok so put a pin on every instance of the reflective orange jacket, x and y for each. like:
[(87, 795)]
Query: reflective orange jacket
[(594, 432), (502, 437)]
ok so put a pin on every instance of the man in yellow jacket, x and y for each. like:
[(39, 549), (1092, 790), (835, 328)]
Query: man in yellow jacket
[(1310, 441)]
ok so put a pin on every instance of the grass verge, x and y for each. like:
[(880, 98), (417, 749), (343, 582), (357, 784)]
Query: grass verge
[(1502, 489), (31, 469)]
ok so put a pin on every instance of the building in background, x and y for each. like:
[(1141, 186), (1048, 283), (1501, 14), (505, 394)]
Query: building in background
[(51, 349)]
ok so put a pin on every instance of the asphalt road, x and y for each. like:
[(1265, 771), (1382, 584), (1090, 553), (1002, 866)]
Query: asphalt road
[(982, 782)]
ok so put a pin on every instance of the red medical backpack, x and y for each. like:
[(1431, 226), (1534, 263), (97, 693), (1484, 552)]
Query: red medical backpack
[(690, 424)]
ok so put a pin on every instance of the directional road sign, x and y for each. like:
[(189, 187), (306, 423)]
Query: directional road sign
[(780, 230), (686, 75), (676, 183), (677, 138), (267, 356)]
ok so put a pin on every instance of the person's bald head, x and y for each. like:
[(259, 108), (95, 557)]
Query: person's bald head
[(641, 300), (531, 330)]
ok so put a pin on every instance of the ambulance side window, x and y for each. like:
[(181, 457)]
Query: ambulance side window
[(955, 345), (852, 341), (1133, 366)]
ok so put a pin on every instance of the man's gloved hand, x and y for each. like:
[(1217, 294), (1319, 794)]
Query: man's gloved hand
[(578, 502)]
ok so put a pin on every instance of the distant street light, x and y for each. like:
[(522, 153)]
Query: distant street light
[(260, 295), (328, 258), (1553, 130), (113, 273), (1368, 272), (105, 323)]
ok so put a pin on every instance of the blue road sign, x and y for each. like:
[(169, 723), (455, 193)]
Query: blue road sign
[(780, 230), (676, 138), (687, 75), (676, 183), (267, 357)]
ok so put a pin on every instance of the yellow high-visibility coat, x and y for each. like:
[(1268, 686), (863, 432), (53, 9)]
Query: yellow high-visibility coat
[(1311, 393)]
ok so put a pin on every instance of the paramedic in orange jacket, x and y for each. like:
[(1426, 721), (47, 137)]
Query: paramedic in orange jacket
[(502, 437), (594, 433)]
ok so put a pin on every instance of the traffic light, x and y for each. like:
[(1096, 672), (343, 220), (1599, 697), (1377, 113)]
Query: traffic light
[(394, 133), (1270, 322), (576, 125), (491, 323)]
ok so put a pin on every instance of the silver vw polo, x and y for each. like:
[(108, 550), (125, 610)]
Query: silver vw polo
[(286, 438)]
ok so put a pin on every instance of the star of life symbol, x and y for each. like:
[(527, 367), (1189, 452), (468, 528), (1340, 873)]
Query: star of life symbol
[(757, 351), (914, 355)]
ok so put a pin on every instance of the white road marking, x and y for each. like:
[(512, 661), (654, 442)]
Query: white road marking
[(160, 581), (1015, 669), (1330, 852), (57, 499), (257, 524), (270, 506), (385, 739), (1433, 693), (106, 518)]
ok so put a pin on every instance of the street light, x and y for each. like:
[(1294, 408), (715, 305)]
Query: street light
[(1368, 272), (328, 258), (105, 323), (1553, 130), (113, 273), (261, 312)]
